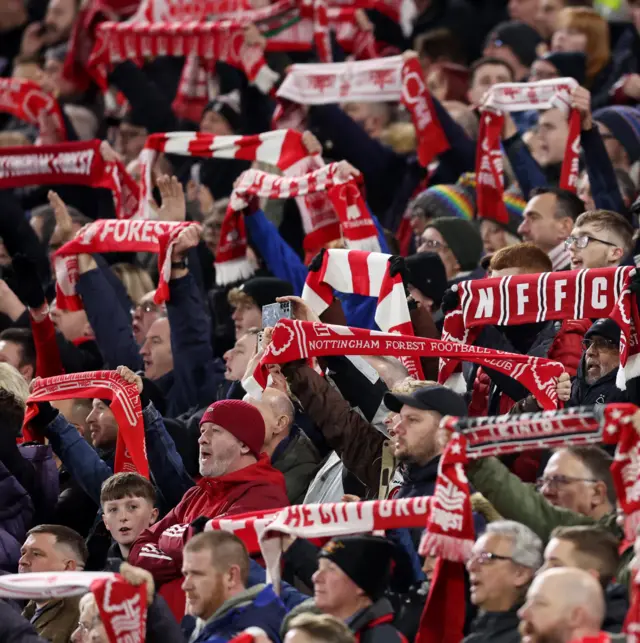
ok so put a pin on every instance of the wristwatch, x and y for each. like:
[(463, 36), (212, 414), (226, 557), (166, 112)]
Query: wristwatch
[(177, 265)]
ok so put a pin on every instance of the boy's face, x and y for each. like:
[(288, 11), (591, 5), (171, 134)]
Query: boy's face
[(128, 517)]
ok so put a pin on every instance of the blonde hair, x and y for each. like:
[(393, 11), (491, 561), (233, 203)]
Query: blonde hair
[(136, 281), (12, 382), (596, 29), (400, 137)]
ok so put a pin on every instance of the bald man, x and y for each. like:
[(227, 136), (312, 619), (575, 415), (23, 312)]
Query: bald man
[(563, 605), (290, 449)]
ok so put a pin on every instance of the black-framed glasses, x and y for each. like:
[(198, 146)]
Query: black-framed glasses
[(486, 557), (555, 482), (583, 240), (600, 343)]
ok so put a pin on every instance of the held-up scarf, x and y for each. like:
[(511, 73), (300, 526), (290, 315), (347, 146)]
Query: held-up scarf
[(69, 164), (294, 340), (357, 225), (41, 585), (632, 621), (131, 452), (527, 299), (109, 235), (123, 609), (387, 79), (25, 100), (516, 97), (363, 273), (625, 314)]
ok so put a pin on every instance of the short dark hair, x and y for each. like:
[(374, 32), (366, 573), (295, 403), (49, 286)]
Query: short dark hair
[(440, 45), (127, 485), (489, 60), (65, 536), (226, 549), (598, 461), (23, 337), (568, 204), (596, 548)]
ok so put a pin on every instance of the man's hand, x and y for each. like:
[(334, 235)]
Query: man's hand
[(63, 231), (301, 310), (311, 143), (581, 100), (32, 40), (137, 576), (362, 20), (187, 239), (563, 387), (174, 206), (108, 153), (253, 37), (346, 171), (130, 377), (10, 304), (409, 54)]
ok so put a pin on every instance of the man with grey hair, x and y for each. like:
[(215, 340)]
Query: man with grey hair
[(503, 563)]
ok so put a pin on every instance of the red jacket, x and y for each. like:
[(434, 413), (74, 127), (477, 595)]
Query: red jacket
[(159, 548)]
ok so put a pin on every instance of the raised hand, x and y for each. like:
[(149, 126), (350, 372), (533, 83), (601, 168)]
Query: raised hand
[(174, 206), (129, 376), (563, 387)]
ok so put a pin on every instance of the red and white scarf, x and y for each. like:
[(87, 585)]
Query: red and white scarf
[(381, 79), (632, 621), (131, 452), (111, 235), (250, 635), (517, 97), (294, 340), (69, 164), (25, 100), (363, 273), (356, 222), (42, 585), (527, 299), (625, 314)]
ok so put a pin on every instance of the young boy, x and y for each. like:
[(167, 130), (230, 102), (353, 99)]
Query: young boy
[(128, 506)]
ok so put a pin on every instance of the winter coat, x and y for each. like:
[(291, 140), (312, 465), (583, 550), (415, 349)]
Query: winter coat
[(257, 606), (327, 485), (616, 600), (14, 628), (495, 627), (602, 391), (57, 621), (374, 624)]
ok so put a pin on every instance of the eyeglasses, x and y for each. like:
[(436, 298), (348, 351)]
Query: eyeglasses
[(486, 557), (583, 240), (554, 482), (433, 245), (147, 307), (599, 343)]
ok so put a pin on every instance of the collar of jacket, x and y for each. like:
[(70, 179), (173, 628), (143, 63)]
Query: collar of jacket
[(280, 450), (422, 473), (242, 599), (261, 470), (51, 610), (497, 622), (382, 607)]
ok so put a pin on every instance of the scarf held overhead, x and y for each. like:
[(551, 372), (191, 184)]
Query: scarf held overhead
[(131, 452), (516, 97)]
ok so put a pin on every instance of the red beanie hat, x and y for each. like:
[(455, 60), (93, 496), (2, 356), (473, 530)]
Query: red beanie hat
[(241, 420)]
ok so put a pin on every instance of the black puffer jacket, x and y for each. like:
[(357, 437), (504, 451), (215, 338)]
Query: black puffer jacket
[(374, 624), (602, 391), (495, 627)]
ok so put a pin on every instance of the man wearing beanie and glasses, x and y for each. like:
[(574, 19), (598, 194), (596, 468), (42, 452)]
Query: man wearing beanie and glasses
[(353, 573)]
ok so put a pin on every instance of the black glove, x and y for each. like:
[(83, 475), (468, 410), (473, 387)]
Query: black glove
[(316, 262), (198, 524), (397, 265), (46, 415), (450, 300), (27, 285)]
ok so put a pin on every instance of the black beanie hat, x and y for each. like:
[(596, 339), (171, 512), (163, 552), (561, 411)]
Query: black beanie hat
[(606, 328), (366, 560), (264, 290), (228, 106), (522, 39), (463, 239), (572, 64), (427, 273)]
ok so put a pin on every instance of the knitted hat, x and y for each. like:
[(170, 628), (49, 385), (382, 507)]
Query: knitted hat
[(241, 420), (228, 106), (445, 201), (366, 560), (463, 239), (426, 272), (522, 39), (624, 125), (264, 290), (569, 63), (606, 328)]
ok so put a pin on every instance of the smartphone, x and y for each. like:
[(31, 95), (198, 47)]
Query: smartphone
[(272, 313), (260, 338)]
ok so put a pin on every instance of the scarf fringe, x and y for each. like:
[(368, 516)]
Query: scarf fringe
[(229, 272), (448, 547), (370, 244)]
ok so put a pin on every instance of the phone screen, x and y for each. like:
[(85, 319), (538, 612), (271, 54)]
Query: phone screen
[(273, 313)]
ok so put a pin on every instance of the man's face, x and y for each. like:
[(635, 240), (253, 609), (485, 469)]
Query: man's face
[(433, 241), (203, 584), (90, 628), (11, 353), (485, 77), (553, 132), (413, 438), (596, 254), (237, 359), (616, 153), (493, 237), (59, 20), (559, 553), (130, 140), (567, 483), (540, 226), (542, 616), (542, 70), (156, 350), (524, 10), (493, 581), (332, 588), (602, 357), (127, 518), (547, 17), (219, 450), (245, 316), (41, 554), (359, 112), (143, 315), (73, 324), (214, 123), (103, 427), (498, 49)]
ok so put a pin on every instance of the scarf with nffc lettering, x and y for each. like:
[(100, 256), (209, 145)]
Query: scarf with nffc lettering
[(125, 404), (517, 97), (294, 340), (69, 164), (109, 235), (528, 299), (25, 100), (342, 189), (388, 79), (363, 273)]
